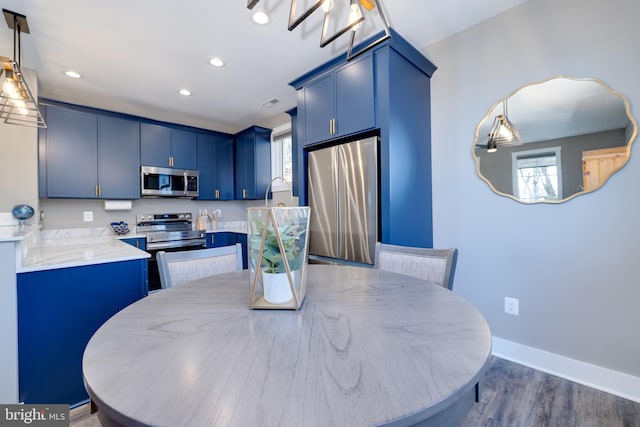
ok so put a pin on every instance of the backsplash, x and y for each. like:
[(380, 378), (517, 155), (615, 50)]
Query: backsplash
[(69, 213)]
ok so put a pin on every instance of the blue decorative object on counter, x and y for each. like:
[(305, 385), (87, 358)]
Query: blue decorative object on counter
[(120, 227), (22, 212)]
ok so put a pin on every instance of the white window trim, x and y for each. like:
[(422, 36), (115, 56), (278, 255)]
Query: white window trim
[(279, 185), (535, 153)]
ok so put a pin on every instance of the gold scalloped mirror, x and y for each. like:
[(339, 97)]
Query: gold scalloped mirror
[(553, 140)]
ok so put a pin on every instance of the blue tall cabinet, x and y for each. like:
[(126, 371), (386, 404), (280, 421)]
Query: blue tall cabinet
[(385, 91)]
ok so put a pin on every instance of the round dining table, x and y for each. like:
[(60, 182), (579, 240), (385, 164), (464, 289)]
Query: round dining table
[(367, 347)]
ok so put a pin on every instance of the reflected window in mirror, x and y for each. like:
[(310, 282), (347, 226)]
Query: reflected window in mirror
[(564, 120), (537, 175)]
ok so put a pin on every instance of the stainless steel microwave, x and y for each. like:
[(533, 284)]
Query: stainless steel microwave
[(168, 182)]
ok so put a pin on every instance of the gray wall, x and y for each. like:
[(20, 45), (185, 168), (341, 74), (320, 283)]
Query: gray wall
[(19, 159), (574, 266)]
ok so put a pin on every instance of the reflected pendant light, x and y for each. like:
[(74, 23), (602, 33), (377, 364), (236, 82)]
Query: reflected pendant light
[(17, 104), (503, 133)]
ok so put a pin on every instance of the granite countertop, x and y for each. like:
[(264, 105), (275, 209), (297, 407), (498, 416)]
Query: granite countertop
[(51, 249), (10, 234), (63, 248), (230, 227)]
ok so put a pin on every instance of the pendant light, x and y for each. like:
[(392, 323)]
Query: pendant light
[(354, 19), (503, 133), (17, 104)]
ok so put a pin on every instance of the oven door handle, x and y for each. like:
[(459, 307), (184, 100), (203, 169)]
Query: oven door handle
[(176, 244)]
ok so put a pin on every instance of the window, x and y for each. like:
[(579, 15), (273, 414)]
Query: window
[(537, 175), (281, 157)]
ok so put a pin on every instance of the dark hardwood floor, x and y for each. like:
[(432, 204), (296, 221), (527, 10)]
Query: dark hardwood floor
[(516, 396)]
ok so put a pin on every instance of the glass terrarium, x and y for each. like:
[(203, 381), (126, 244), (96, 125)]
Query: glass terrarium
[(278, 249)]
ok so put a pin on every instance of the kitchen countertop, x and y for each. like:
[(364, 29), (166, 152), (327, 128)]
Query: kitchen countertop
[(51, 249), (63, 248), (11, 234)]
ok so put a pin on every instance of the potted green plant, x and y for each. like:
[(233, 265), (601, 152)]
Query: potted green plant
[(272, 262), (278, 247), (272, 257)]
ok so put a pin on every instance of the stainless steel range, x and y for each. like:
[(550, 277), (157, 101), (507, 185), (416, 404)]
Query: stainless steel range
[(170, 232)]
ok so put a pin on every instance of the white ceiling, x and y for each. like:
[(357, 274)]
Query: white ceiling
[(134, 55)]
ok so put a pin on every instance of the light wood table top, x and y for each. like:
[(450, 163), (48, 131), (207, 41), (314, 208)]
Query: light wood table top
[(367, 347)]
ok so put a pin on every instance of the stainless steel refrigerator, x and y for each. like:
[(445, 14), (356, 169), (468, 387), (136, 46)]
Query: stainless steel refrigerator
[(343, 196)]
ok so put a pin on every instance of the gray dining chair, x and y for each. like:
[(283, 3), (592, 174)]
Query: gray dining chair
[(435, 265), (176, 268)]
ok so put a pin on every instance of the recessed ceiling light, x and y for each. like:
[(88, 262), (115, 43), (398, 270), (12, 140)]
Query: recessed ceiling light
[(184, 92), (260, 17), (72, 74), (216, 62)]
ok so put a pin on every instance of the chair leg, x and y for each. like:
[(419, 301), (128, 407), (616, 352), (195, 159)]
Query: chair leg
[(478, 391), (93, 406)]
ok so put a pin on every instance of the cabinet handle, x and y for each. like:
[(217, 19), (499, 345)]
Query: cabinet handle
[(171, 161), (138, 244), (217, 196), (244, 193), (212, 239), (97, 190)]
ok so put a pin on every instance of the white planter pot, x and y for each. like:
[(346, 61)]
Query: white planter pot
[(276, 288)]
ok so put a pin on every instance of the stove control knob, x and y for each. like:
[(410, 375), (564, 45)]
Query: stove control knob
[(181, 216), (188, 216)]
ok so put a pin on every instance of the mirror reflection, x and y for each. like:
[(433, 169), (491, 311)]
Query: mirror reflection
[(551, 141)]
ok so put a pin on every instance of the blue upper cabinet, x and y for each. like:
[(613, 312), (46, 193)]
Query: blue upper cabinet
[(155, 145), (339, 102), (118, 158), (215, 166), (72, 153), (184, 149), (206, 168), (385, 92), (224, 168), (88, 156), (252, 163), (167, 147)]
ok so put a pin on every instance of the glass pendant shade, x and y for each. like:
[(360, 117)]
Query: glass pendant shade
[(503, 133), (17, 104)]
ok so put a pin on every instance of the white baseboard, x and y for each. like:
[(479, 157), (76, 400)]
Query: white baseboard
[(607, 380)]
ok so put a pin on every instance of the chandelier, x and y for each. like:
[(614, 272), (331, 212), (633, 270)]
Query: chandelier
[(355, 17)]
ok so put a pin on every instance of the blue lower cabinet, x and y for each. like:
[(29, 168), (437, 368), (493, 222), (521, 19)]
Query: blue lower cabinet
[(227, 238), (138, 242), (58, 312)]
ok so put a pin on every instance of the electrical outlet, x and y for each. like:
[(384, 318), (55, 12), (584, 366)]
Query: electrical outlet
[(87, 216), (511, 306), (218, 213)]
